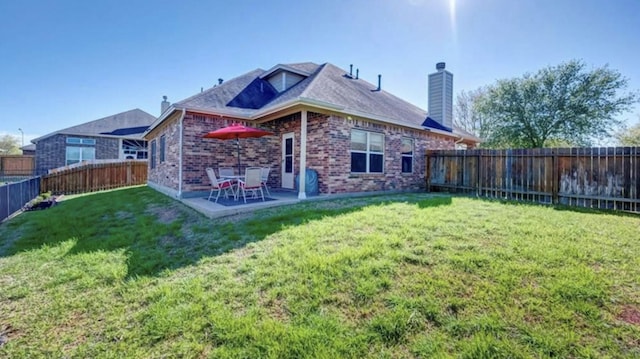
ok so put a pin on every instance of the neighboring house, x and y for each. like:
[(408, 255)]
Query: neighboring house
[(357, 136), (114, 137), (28, 150)]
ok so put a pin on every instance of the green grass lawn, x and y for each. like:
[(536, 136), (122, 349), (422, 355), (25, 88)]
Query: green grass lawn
[(132, 273)]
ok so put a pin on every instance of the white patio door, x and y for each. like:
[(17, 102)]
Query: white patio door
[(287, 160)]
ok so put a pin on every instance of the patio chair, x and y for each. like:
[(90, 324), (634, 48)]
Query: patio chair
[(252, 182), (264, 174), (219, 185), (226, 172)]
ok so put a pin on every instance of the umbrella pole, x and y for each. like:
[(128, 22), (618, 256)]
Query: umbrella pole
[(238, 146)]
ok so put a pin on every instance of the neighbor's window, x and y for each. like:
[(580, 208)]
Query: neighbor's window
[(78, 154), (153, 154), (81, 141), (367, 151), (162, 146), (407, 155), (75, 154)]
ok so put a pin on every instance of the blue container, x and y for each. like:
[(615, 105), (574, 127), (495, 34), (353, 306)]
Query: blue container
[(311, 187)]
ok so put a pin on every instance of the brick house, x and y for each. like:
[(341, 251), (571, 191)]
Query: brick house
[(356, 136), (113, 137)]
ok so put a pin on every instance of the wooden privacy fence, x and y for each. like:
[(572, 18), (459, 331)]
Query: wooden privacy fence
[(93, 177), (586, 177), (17, 165)]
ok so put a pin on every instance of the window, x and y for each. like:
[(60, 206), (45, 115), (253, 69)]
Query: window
[(367, 152), (81, 141), (76, 154), (153, 154), (79, 154), (162, 147), (407, 155)]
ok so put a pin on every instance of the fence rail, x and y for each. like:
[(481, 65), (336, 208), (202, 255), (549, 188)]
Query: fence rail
[(14, 196), (93, 177), (604, 177)]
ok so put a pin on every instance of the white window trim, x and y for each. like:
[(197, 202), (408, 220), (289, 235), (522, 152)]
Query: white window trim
[(368, 151), (81, 141), (402, 155), (81, 148)]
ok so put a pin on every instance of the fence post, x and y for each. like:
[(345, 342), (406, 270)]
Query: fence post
[(128, 172), (554, 174), (478, 173), (428, 171)]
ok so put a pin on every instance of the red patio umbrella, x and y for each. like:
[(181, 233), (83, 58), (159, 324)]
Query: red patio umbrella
[(237, 131)]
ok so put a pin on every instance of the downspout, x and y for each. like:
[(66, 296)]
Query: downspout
[(455, 144), (180, 154), (303, 156)]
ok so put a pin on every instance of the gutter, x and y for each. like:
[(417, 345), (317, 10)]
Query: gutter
[(180, 154)]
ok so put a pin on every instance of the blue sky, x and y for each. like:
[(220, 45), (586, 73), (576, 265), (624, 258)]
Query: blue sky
[(63, 63)]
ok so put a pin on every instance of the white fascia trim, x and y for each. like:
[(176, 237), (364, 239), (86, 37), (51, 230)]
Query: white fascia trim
[(384, 119), (295, 102), (160, 119), (217, 111), (440, 132)]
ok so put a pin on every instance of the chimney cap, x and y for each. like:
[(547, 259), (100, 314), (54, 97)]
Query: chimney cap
[(440, 66)]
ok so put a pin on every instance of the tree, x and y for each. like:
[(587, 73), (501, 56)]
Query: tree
[(466, 115), (558, 104), (629, 136), (9, 145)]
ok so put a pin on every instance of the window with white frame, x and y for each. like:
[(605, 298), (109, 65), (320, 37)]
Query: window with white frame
[(152, 160), (81, 141), (407, 155), (76, 154), (367, 152)]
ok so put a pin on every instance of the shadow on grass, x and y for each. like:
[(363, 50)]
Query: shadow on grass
[(435, 202), (158, 233), (558, 207)]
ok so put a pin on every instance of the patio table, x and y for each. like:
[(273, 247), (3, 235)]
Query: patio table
[(235, 179)]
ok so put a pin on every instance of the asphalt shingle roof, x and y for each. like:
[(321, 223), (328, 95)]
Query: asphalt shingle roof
[(128, 124), (250, 95)]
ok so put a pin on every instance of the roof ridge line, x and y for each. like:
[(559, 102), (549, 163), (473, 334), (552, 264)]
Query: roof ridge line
[(216, 86), (315, 76)]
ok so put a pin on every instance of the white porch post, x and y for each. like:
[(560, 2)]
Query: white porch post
[(303, 156)]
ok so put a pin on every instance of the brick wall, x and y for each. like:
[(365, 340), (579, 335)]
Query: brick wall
[(200, 153), (51, 152), (165, 173), (328, 144), (328, 152)]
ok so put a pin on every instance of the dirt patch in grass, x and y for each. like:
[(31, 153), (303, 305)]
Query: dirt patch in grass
[(7, 333), (630, 314), (164, 214)]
